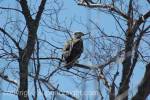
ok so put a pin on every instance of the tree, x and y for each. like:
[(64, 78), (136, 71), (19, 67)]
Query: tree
[(26, 52), (32, 35), (137, 27)]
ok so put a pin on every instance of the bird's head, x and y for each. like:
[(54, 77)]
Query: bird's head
[(78, 35)]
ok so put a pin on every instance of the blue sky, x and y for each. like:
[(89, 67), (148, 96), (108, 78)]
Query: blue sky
[(79, 15)]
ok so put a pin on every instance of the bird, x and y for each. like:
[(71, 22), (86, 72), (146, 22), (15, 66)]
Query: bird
[(72, 50)]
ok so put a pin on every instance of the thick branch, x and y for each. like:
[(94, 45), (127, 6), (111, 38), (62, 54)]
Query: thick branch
[(40, 11), (144, 87), (26, 12), (130, 8)]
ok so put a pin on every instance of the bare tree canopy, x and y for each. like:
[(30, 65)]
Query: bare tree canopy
[(115, 61)]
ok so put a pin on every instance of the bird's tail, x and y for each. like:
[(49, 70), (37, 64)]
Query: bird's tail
[(69, 65)]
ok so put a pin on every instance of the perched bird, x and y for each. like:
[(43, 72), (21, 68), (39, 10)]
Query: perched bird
[(73, 50)]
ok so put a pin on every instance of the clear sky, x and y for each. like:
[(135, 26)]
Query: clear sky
[(78, 15)]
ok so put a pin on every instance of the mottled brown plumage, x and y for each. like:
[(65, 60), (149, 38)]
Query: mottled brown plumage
[(73, 50)]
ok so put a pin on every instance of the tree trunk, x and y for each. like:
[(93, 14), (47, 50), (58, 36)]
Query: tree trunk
[(25, 54), (23, 66)]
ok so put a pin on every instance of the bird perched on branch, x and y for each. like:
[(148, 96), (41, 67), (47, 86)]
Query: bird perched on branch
[(73, 50)]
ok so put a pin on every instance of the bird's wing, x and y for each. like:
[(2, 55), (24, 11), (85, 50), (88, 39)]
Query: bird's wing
[(67, 46), (76, 48)]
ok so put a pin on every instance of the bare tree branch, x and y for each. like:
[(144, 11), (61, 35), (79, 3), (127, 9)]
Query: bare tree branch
[(144, 87), (11, 38), (5, 8), (4, 77), (106, 7)]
